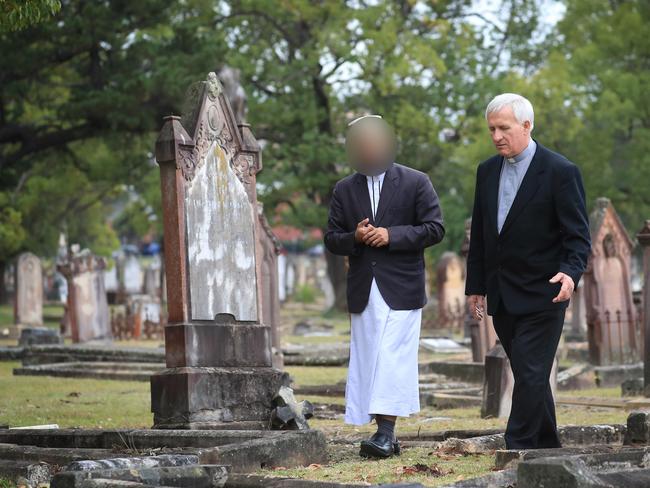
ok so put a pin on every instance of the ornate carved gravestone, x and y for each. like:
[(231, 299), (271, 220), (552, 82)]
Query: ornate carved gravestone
[(481, 332), (450, 278), (218, 349), (28, 302), (611, 317), (88, 314)]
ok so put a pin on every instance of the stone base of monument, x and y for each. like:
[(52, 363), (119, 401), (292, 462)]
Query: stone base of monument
[(204, 397)]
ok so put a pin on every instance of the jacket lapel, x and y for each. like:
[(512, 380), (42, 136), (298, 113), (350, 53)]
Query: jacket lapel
[(492, 186), (527, 190), (363, 197), (388, 189)]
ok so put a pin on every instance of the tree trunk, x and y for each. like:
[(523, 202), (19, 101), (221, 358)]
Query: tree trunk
[(3, 287), (337, 272)]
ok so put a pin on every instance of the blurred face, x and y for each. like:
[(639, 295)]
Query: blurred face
[(370, 145), (508, 136)]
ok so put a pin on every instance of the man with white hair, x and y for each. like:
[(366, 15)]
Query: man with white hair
[(528, 249)]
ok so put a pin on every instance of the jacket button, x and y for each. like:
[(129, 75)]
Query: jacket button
[(374, 263)]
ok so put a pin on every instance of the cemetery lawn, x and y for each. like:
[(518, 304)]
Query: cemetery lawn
[(30, 400)]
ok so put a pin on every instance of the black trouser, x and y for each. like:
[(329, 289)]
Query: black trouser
[(530, 341)]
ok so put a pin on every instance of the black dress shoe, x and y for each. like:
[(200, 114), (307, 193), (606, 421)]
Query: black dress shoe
[(379, 446)]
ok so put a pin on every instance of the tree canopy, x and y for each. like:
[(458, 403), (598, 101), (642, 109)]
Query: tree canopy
[(83, 91)]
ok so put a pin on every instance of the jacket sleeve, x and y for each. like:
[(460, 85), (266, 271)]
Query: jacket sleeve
[(338, 238), (475, 281), (571, 211), (429, 229)]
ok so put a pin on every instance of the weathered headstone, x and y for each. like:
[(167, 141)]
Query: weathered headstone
[(88, 313), (450, 278), (132, 275), (577, 315), (28, 302), (644, 239), (218, 349), (499, 382), (152, 278), (271, 248), (481, 332), (611, 317)]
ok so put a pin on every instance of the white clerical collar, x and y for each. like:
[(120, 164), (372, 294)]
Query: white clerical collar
[(528, 152), (378, 177)]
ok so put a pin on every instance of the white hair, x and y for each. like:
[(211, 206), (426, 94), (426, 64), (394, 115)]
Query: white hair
[(521, 107)]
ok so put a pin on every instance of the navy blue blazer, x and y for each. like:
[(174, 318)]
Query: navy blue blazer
[(546, 231), (409, 208)]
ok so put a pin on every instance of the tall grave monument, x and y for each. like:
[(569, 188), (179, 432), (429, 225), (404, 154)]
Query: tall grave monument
[(611, 317), (218, 348)]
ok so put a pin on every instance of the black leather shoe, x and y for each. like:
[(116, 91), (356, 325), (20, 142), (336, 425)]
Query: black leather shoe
[(379, 446)]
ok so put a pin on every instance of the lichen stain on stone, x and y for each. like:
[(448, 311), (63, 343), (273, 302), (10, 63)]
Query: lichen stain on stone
[(221, 242)]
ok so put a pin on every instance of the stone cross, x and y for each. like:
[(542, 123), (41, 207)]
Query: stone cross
[(28, 302), (611, 315), (644, 239), (217, 346), (288, 413)]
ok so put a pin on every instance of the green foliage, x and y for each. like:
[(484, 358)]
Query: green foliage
[(20, 14), (304, 294), (12, 232)]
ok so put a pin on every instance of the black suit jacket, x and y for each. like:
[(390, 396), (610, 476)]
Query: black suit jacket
[(410, 210), (546, 231)]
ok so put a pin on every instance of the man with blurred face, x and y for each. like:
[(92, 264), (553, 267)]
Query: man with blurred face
[(529, 245), (382, 217)]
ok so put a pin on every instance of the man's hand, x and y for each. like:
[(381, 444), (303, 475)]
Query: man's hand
[(476, 304), (567, 287), (376, 237), (362, 230)]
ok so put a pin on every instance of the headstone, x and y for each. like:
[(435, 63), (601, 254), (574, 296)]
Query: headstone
[(611, 317), (499, 382), (644, 240), (88, 313), (450, 278), (28, 301), (152, 280), (217, 347), (482, 333), (271, 248), (577, 315), (132, 275), (282, 277)]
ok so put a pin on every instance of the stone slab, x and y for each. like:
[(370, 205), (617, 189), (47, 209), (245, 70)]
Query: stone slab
[(93, 353), (95, 370), (456, 370), (206, 476), (614, 375), (501, 479), (509, 458)]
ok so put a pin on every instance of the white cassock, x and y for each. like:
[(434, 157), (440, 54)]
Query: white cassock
[(383, 371)]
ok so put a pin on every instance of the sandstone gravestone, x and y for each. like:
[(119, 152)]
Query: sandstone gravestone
[(88, 313), (450, 278), (611, 317), (481, 332), (217, 347), (28, 301), (271, 248), (132, 275)]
